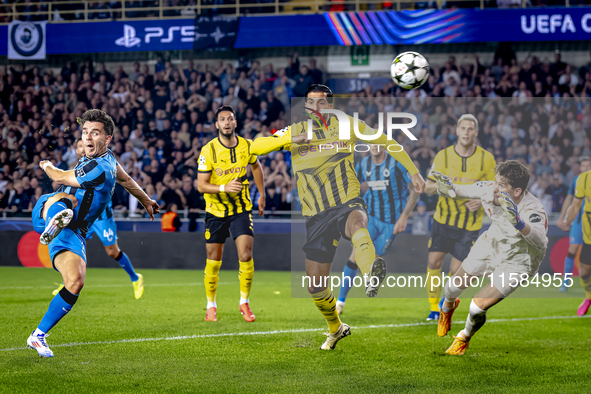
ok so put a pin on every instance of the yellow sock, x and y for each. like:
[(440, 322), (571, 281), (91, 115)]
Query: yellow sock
[(365, 252), (586, 283), (326, 304), (212, 277), (245, 275), (434, 292)]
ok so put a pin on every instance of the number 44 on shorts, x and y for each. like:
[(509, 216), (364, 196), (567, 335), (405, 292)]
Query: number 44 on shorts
[(544, 280)]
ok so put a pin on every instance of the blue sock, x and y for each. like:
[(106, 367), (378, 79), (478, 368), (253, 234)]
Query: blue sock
[(569, 262), (348, 272), (56, 208), (59, 307), (124, 262)]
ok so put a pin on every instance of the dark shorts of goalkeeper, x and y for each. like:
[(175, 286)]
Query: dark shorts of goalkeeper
[(324, 230), (452, 240)]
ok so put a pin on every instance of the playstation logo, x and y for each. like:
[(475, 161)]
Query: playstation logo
[(129, 39)]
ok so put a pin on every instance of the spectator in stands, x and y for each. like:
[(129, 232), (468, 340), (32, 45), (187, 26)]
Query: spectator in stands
[(171, 221)]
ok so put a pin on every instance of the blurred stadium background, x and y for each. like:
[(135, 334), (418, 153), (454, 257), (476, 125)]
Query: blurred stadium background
[(162, 68)]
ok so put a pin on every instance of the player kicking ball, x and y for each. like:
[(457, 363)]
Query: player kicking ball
[(223, 182), (106, 229), (64, 217), (329, 190), (510, 251)]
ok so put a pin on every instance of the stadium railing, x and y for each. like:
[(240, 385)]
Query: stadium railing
[(83, 11)]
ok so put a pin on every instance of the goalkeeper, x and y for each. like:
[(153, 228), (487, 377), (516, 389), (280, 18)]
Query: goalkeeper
[(510, 251)]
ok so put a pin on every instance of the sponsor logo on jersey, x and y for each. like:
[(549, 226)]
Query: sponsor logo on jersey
[(535, 218)]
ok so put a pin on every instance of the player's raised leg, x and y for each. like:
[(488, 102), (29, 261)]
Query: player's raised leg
[(365, 253), (212, 278), (325, 302), (73, 270), (245, 274), (57, 213)]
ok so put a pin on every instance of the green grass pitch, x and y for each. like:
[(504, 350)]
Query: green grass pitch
[(111, 342)]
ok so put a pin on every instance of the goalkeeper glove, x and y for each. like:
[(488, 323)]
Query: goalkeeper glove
[(510, 209), (445, 187)]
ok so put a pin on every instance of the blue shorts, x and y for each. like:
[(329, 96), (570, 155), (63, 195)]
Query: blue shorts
[(106, 230), (381, 234), (67, 239), (576, 234)]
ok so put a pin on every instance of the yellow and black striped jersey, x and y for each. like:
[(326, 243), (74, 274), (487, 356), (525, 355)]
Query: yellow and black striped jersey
[(480, 166), (225, 164), (583, 190), (323, 168)]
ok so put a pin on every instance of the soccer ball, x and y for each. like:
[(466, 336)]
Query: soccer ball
[(409, 70)]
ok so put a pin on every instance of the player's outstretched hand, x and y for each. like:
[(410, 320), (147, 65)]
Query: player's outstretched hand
[(152, 208), (418, 182), (445, 187), (510, 209)]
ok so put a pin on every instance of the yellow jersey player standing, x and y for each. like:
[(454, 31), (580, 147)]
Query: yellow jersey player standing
[(583, 192), (329, 193), (457, 222), (222, 180)]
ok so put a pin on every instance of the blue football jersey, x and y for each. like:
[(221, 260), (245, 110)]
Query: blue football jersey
[(388, 187), (97, 177)]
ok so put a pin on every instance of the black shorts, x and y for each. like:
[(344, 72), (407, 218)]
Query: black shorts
[(218, 229), (585, 257), (324, 230), (452, 240)]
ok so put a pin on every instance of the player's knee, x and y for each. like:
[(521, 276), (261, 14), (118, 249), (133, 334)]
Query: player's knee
[(435, 262), (75, 284), (245, 255), (113, 252), (584, 271), (316, 289)]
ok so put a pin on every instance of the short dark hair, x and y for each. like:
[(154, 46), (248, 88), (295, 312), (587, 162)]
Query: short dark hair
[(319, 88), (76, 141), (96, 115), (224, 108), (516, 173)]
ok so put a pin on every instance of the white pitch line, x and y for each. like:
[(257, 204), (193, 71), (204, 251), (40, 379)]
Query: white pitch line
[(101, 286), (274, 332)]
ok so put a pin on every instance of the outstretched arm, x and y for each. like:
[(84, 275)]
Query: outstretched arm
[(265, 145), (67, 178), (135, 190)]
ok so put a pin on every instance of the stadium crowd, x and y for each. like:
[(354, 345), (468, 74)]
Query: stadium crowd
[(37, 10), (532, 111)]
